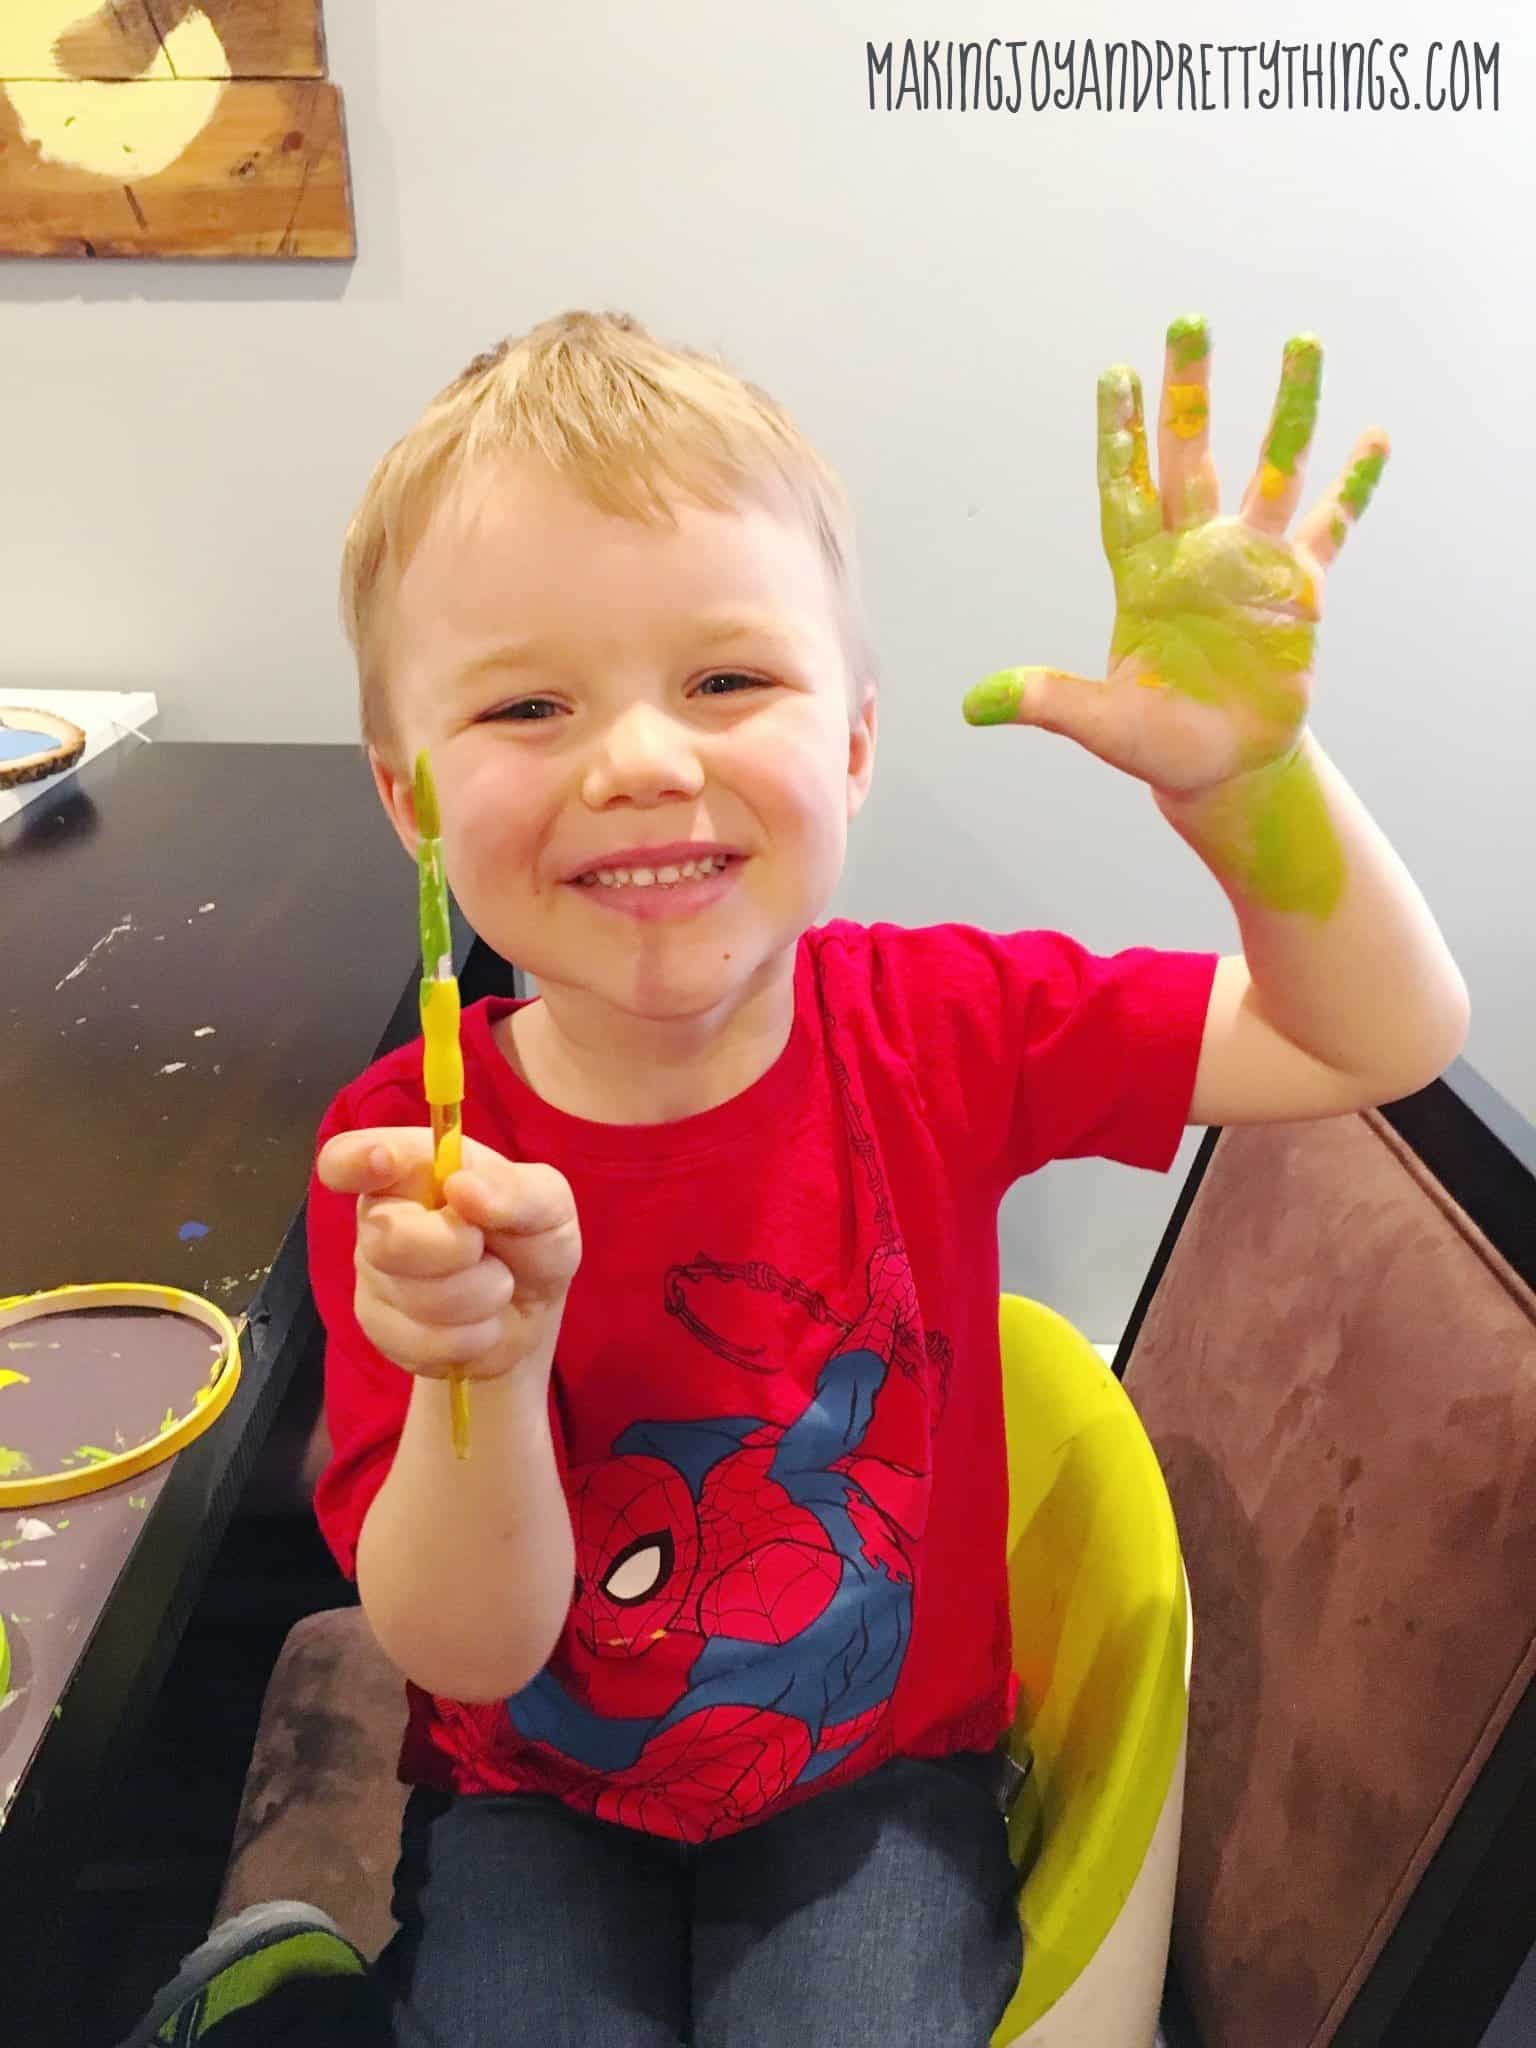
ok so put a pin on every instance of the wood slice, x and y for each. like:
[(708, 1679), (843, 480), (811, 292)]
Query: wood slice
[(63, 745), (129, 38), (259, 170)]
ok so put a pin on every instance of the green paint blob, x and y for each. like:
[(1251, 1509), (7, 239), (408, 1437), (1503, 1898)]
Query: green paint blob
[(1337, 530), (1270, 836), (432, 880), (1301, 385), (1189, 337), (12, 1462), (996, 699), (93, 1454), (1360, 484)]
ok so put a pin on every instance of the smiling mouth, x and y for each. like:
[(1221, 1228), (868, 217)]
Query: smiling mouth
[(670, 876)]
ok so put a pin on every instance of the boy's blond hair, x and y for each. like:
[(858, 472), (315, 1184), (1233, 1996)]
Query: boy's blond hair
[(633, 423)]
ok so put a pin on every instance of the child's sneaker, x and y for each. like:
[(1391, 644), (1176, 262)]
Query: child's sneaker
[(240, 1963)]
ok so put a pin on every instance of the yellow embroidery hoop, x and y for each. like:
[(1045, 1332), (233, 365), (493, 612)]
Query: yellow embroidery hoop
[(210, 1401)]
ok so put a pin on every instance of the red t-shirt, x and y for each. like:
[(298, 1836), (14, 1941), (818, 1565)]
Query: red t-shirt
[(776, 1397)]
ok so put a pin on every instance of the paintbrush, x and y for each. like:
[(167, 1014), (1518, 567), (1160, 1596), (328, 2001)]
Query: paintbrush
[(442, 1061)]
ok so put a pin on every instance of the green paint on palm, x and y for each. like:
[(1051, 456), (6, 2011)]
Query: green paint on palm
[(1190, 340), (1360, 484), (1196, 609), (1295, 416), (432, 880)]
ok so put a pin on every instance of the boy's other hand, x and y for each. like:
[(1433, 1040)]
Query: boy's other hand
[(1210, 664), (479, 1284)]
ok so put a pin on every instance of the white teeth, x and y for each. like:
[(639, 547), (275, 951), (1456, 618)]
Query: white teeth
[(660, 878)]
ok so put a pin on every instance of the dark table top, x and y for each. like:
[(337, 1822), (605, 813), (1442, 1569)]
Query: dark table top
[(199, 944)]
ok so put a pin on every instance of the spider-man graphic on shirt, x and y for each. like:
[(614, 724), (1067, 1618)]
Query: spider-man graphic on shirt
[(754, 1576)]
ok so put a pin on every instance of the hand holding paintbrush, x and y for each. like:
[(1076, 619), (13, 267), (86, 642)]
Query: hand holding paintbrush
[(442, 1062), (440, 1299)]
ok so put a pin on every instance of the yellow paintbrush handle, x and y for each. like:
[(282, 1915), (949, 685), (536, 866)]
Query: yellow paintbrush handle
[(447, 1154)]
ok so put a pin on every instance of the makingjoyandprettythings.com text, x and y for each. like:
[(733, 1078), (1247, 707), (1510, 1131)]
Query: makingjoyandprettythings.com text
[(1008, 77)]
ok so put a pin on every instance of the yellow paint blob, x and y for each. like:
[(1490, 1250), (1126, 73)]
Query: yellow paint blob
[(126, 129), (1188, 409), (1272, 481), (12, 1379)]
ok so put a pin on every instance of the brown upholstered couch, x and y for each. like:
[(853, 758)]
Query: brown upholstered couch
[(1335, 1356)]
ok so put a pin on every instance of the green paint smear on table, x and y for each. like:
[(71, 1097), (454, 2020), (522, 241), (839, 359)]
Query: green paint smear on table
[(12, 1462)]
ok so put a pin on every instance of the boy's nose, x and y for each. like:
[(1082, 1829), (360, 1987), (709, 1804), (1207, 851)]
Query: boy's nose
[(644, 753)]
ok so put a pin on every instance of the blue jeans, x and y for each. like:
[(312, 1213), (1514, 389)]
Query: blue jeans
[(884, 1910)]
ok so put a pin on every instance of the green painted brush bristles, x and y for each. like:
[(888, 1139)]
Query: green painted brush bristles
[(428, 822)]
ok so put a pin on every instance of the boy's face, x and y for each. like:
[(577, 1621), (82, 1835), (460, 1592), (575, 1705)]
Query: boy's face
[(589, 685)]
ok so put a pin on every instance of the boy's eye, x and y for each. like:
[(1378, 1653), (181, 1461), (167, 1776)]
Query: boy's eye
[(522, 706), (536, 710), (729, 675)]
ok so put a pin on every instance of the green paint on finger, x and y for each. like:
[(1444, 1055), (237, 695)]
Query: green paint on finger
[(995, 700), (1337, 529), (1360, 484), (1190, 339), (1301, 386)]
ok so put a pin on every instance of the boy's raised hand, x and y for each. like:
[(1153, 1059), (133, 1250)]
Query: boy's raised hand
[(480, 1283), (1210, 662)]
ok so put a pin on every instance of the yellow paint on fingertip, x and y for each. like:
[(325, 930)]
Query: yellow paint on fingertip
[(1149, 679)]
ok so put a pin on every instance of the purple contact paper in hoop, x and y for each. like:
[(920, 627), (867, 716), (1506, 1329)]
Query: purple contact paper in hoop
[(99, 1383)]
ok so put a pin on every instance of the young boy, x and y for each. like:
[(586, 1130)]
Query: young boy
[(707, 1643)]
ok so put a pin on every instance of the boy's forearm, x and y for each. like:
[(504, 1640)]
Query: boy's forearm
[(1342, 949), (465, 1568)]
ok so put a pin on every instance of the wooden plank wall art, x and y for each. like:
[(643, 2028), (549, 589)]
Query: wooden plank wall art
[(160, 128)]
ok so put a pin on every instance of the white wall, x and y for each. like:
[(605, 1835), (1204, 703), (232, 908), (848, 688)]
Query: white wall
[(933, 294)]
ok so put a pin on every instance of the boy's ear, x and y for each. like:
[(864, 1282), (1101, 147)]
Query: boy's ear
[(398, 798), (861, 753)]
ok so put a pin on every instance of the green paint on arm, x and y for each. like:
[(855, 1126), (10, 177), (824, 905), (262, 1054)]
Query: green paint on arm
[(1301, 387), (12, 1462), (1189, 337), (1269, 835), (1360, 484)]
